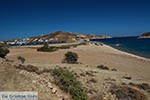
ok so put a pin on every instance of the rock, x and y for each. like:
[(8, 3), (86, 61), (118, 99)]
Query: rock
[(34, 82), (54, 90), (50, 86), (2, 61), (127, 77)]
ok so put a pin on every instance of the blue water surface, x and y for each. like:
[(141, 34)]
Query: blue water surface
[(134, 45)]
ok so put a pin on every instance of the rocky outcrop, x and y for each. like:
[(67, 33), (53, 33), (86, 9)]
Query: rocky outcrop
[(43, 83), (145, 35)]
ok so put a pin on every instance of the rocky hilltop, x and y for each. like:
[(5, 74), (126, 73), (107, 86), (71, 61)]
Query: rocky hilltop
[(61, 36), (145, 35)]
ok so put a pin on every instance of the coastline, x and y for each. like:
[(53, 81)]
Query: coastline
[(132, 45), (129, 54), (144, 37)]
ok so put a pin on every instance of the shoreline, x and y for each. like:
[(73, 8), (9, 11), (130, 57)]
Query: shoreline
[(121, 51), (128, 54)]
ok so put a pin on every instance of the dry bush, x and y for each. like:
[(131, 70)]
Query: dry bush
[(128, 93), (103, 67), (70, 58), (143, 86), (29, 68), (45, 70), (3, 51), (113, 69)]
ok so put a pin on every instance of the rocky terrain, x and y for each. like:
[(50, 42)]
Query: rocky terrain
[(100, 82), (145, 35)]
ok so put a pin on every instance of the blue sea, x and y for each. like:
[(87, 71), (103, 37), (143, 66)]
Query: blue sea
[(134, 45)]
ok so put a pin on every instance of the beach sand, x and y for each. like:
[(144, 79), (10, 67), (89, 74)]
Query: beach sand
[(89, 55)]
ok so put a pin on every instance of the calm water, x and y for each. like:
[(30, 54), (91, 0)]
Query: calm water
[(132, 45)]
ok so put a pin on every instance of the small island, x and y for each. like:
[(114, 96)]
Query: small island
[(145, 35)]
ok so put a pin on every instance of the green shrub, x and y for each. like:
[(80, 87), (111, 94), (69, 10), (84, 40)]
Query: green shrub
[(46, 48), (67, 82), (71, 58), (3, 51), (22, 59)]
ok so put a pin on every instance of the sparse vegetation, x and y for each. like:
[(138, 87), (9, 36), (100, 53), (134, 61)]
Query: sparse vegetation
[(89, 73), (71, 58), (127, 77), (113, 69), (22, 59), (103, 67), (143, 86), (46, 48), (67, 82), (128, 93), (28, 68), (3, 51), (98, 96), (65, 47), (31, 68), (45, 70), (93, 80)]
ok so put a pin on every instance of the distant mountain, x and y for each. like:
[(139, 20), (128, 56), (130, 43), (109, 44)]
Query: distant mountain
[(145, 35)]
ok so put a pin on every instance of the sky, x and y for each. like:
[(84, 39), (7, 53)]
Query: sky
[(26, 18)]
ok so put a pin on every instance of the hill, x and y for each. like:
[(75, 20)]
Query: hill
[(56, 37), (61, 36), (145, 35)]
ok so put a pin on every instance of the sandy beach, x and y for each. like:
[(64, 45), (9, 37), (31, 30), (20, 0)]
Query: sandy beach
[(89, 55)]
